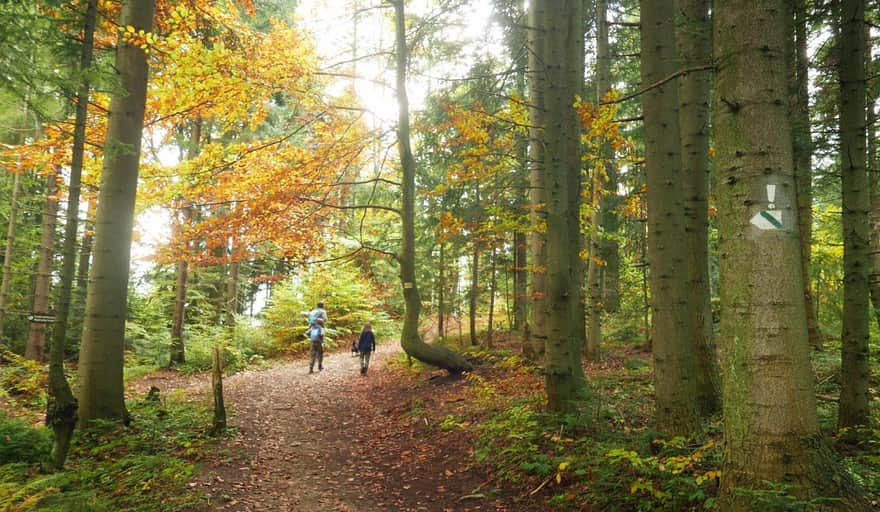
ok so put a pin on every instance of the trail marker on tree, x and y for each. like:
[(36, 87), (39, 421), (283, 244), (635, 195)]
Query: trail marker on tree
[(769, 218)]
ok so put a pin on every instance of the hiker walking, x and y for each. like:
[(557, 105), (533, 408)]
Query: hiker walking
[(318, 312), (316, 337), (366, 346)]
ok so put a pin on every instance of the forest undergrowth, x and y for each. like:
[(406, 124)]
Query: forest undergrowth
[(603, 457)]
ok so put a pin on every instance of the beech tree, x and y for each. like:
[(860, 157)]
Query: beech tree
[(410, 340), (101, 353)]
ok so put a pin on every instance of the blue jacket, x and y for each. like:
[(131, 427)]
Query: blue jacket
[(367, 342)]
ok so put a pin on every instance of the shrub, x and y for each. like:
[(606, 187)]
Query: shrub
[(350, 299), (21, 443)]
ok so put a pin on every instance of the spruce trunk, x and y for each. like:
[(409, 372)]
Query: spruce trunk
[(562, 69), (10, 246), (672, 337), (537, 192), (771, 430), (694, 41), (101, 355), (410, 339), (803, 155), (855, 370)]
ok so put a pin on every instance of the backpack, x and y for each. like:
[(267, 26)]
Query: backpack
[(316, 333)]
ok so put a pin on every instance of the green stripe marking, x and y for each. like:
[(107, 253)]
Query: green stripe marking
[(771, 219)]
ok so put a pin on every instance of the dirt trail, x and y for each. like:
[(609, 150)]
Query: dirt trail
[(333, 441)]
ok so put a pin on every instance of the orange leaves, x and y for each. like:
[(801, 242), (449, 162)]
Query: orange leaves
[(600, 130)]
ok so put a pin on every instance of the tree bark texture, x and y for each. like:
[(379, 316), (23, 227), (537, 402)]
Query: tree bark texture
[(771, 430), (537, 192), (873, 164), (803, 153), (562, 69), (8, 251), (101, 353), (410, 340), (694, 39), (855, 370), (35, 348), (672, 336)]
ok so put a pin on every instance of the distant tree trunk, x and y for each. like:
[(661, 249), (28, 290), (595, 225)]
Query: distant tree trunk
[(85, 251), (537, 247), (492, 284), (771, 430), (10, 246), (803, 149), (36, 342), (61, 408), (855, 368), (520, 243), (694, 39), (562, 69), (232, 293), (219, 420), (410, 340), (674, 370), (597, 265), (101, 353), (475, 278), (178, 316), (441, 288)]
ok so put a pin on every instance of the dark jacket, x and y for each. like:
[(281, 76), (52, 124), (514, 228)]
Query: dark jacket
[(367, 342)]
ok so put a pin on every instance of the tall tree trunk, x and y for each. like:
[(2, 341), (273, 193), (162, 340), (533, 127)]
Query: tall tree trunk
[(61, 409), (36, 342), (537, 191), (178, 316), (597, 264), (68, 249), (520, 243), (8, 252), (694, 39), (855, 370), (874, 177), (101, 353), (771, 430), (609, 199), (410, 340), (562, 69), (672, 336), (802, 145)]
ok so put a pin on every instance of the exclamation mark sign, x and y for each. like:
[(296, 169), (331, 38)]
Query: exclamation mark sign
[(771, 197)]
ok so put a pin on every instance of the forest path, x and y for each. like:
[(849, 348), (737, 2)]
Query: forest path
[(336, 440)]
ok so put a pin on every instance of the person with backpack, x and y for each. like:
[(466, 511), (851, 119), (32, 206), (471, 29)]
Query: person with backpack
[(366, 345), (318, 312), (316, 337)]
